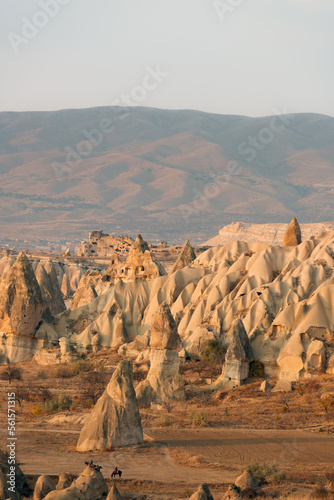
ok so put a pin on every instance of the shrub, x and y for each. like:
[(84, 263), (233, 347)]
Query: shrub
[(58, 404), (11, 373), (214, 352), (82, 366), (37, 409), (256, 369), (64, 372), (163, 421), (264, 473), (41, 374), (93, 385), (197, 418)]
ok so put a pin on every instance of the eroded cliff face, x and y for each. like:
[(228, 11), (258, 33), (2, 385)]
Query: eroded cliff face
[(21, 302), (281, 297)]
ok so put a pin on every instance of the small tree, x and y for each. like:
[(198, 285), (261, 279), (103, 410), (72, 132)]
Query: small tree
[(44, 394), (93, 385), (21, 394), (11, 373)]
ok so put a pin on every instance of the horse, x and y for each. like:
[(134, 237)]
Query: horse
[(115, 472)]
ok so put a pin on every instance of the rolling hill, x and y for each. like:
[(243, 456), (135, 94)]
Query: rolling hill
[(166, 174)]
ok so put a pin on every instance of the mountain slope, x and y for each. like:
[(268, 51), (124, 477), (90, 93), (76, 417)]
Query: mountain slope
[(166, 174)]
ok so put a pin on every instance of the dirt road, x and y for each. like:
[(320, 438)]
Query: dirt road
[(218, 453)]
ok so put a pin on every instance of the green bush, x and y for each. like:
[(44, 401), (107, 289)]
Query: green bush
[(58, 404), (82, 366), (264, 473), (214, 352), (256, 369)]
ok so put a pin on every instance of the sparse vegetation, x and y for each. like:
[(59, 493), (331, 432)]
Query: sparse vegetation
[(265, 473), (256, 369), (82, 366), (163, 421), (197, 418), (11, 373), (58, 404), (214, 353)]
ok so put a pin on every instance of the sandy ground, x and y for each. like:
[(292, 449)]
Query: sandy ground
[(216, 454)]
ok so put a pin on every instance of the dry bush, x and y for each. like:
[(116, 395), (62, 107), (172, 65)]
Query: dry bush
[(265, 472), (11, 373), (197, 418), (163, 421)]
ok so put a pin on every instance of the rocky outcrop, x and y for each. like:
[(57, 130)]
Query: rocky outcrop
[(114, 494), (91, 484), (203, 493), (63, 481), (238, 356), (163, 381), (101, 244), (21, 302), (115, 419), (48, 282), (43, 486), (186, 257), (86, 291), (293, 235), (139, 265), (246, 481), (21, 485)]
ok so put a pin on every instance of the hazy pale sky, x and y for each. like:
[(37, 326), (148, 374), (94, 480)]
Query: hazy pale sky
[(225, 56)]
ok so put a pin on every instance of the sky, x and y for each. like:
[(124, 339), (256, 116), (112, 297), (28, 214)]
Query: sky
[(246, 57)]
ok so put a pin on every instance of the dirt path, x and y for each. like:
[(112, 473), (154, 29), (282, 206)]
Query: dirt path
[(53, 451)]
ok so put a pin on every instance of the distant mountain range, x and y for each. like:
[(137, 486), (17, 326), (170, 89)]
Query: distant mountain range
[(169, 175)]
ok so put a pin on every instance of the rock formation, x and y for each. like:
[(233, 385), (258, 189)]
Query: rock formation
[(86, 291), (163, 382), (246, 481), (114, 494), (91, 484), (21, 302), (101, 244), (238, 356), (49, 286), (281, 295), (21, 485), (139, 265), (293, 235), (115, 419), (186, 257), (203, 493), (63, 482), (43, 486)]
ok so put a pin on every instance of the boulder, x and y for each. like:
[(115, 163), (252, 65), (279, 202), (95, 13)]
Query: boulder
[(91, 484), (203, 493), (265, 386), (233, 493), (63, 482), (21, 302), (293, 235), (186, 257), (282, 385), (115, 419), (43, 486), (291, 359), (114, 494), (139, 265), (70, 493), (246, 481)]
